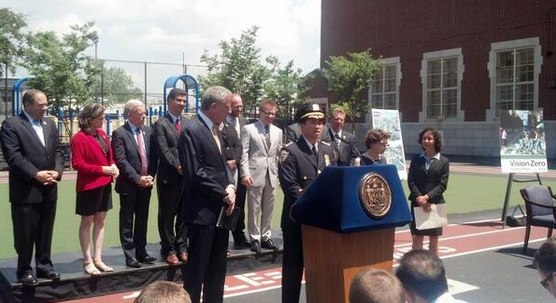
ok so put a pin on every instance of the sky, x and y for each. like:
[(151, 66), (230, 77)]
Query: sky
[(178, 31)]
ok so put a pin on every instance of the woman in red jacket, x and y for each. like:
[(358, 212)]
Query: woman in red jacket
[(92, 158)]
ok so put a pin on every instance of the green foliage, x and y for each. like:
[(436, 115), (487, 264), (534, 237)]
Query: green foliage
[(11, 38), (117, 87), (349, 77), (59, 66), (283, 86), (238, 68)]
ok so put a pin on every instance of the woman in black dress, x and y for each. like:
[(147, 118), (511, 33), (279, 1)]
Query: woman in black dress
[(427, 180)]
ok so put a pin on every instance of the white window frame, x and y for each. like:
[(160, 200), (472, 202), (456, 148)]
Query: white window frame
[(454, 52), (496, 47), (389, 61)]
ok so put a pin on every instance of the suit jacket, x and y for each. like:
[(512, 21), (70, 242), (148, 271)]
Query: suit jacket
[(87, 157), (205, 178), (346, 150), (257, 158), (165, 139), (232, 144), (128, 160), (26, 155), (432, 182), (297, 170)]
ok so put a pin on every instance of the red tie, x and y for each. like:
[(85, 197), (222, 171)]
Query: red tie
[(178, 125), (142, 152)]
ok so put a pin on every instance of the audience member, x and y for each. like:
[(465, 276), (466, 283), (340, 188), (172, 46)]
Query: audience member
[(423, 277), (93, 159), (163, 292), (427, 180), (376, 142), (135, 158), (207, 190), (545, 258), (376, 286), (172, 230), (261, 142)]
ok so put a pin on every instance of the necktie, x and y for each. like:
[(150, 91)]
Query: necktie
[(142, 152), (37, 126), (178, 125), (216, 135), (267, 136), (338, 141), (315, 155), (236, 125)]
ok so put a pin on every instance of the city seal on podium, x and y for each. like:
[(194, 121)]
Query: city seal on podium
[(375, 196)]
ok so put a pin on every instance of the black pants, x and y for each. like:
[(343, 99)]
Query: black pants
[(206, 266), (134, 215), (33, 224), (172, 230), (238, 232), (292, 265)]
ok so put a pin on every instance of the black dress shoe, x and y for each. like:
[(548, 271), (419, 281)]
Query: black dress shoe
[(133, 263), (268, 244), (51, 275), (147, 259), (255, 247), (28, 280), (242, 244)]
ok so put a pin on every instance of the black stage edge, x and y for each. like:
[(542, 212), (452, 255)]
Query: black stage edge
[(74, 284)]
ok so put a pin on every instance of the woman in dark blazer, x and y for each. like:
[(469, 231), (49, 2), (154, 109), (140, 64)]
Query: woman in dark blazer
[(376, 142), (92, 158), (427, 180)]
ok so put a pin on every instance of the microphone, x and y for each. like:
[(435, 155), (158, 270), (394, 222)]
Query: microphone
[(356, 161)]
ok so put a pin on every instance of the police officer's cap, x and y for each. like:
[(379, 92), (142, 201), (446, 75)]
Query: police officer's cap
[(309, 111)]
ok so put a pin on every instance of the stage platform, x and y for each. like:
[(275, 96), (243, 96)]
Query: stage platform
[(75, 284)]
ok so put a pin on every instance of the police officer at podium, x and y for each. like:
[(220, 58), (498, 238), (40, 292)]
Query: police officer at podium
[(300, 163)]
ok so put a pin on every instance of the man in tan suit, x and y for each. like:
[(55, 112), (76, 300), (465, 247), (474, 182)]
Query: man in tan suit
[(261, 143)]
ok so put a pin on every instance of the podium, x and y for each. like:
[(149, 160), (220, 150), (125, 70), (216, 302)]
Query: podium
[(348, 217)]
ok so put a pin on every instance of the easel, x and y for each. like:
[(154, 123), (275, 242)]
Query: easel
[(511, 178)]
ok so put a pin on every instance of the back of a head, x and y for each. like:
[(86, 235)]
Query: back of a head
[(163, 292), (422, 273), (376, 286), (545, 257)]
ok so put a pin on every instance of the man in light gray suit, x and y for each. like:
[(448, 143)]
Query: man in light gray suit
[(261, 143)]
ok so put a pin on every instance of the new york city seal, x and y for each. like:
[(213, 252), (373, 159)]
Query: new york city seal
[(375, 195)]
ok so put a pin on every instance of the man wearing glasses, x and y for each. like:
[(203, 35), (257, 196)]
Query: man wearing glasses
[(261, 142), (545, 258)]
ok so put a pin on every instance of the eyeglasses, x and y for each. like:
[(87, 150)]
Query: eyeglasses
[(268, 113), (544, 282)]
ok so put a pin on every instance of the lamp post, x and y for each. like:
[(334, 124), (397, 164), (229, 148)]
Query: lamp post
[(94, 37)]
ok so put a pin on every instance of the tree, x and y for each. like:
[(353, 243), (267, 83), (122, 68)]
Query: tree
[(284, 87), (238, 68), (60, 68), (117, 86), (11, 39), (349, 77)]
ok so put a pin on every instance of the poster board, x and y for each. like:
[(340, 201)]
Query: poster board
[(389, 120), (522, 142)]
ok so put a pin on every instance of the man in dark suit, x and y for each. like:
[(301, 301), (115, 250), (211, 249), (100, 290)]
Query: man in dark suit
[(300, 163), (173, 234), (343, 142), (31, 147), (207, 189), (233, 156), (136, 162)]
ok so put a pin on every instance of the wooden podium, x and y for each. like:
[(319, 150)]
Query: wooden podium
[(339, 238)]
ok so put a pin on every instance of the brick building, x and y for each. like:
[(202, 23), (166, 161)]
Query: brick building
[(451, 64)]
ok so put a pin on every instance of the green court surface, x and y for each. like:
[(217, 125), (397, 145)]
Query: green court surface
[(466, 193)]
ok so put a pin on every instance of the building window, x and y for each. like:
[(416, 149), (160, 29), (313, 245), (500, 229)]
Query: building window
[(514, 69), (442, 74), (384, 89)]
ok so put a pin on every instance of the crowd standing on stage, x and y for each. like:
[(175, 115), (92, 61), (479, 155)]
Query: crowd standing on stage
[(93, 159)]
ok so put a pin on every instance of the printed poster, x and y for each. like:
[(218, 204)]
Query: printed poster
[(522, 142), (389, 120)]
